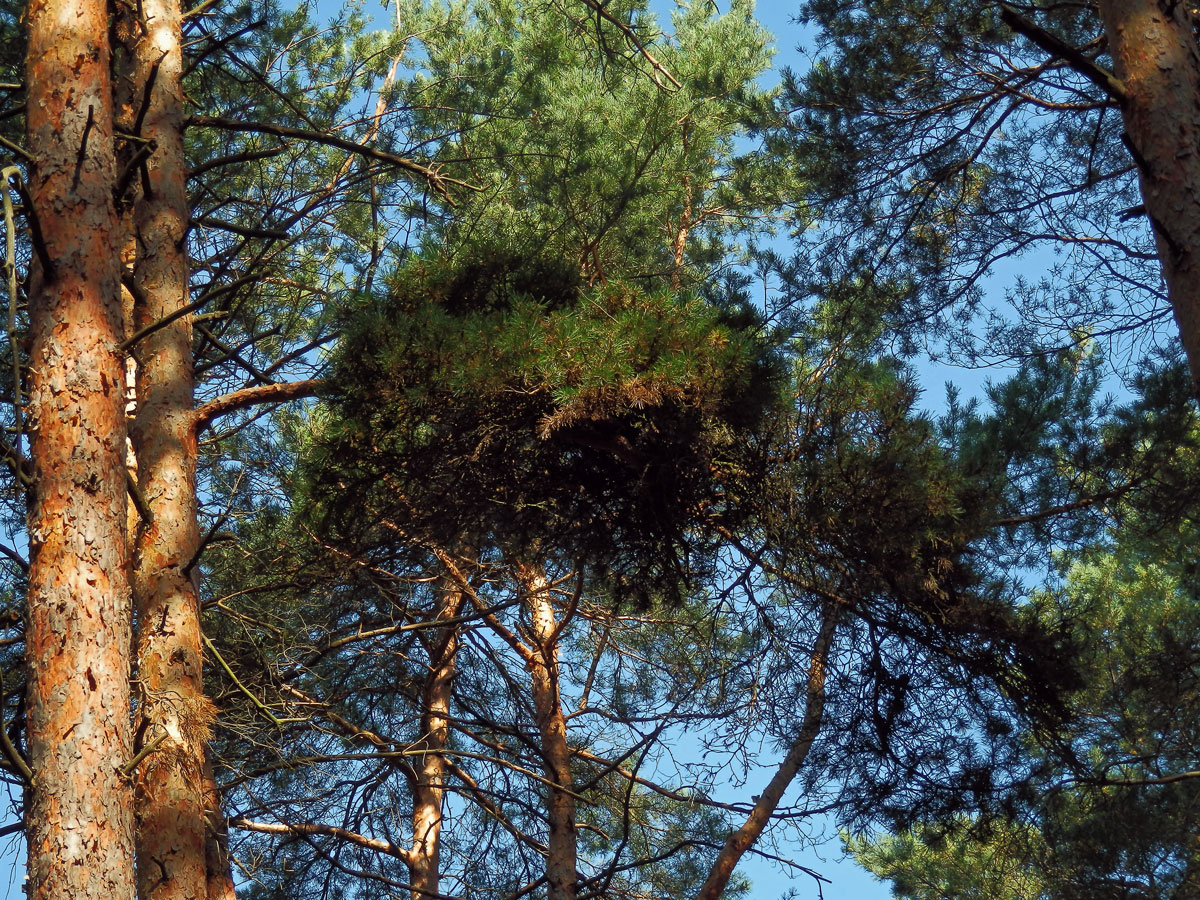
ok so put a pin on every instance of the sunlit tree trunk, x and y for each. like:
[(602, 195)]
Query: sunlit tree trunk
[(1153, 46), (173, 714), (429, 785), (80, 819), (552, 727)]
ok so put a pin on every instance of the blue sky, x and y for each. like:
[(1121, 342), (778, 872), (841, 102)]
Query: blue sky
[(821, 853)]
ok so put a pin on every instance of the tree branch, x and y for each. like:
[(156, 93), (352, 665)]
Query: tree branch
[(235, 158), (233, 353), (139, 499), (766, 803), (134, 288), (440, 183), (633, 39), (252, 396), (9, 749), (1056, 46), (1074, 506), (1143, 782), (308, 828), (248, 231), (17, 558)]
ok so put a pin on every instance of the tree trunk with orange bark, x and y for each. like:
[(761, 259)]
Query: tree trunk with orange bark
[(80, 818), (173, 715), (429, 784), (552, 726), (1157, 62), (216, 841)]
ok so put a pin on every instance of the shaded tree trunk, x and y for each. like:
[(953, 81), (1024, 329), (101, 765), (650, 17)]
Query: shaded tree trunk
[(216, 841), (743, 839), (429, 784), (552, 727), (80, 819), (1153, 46)]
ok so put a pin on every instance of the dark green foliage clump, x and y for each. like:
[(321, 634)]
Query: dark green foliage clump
[(506, 404), (868, 509)]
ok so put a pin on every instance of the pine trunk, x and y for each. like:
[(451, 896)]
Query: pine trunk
[(216, 841), (552, 726), (429, 787), (80, 818), (171, 837), (744, 837), (1154, 51)]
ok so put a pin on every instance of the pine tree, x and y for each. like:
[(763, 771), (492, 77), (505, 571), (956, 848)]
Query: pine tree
[(141, 107), (1119, 819), (621, 382)]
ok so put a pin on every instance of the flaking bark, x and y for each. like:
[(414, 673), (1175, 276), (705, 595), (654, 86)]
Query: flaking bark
[(80, 817), (216, 843), (173, 830)]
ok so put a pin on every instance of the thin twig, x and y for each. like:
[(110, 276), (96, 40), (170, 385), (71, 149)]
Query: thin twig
[(234, 159), (130, 767), (87, 130), (258, 704), (16, 148), (440, 183), (198, 9), (142, 333), (248, 231)]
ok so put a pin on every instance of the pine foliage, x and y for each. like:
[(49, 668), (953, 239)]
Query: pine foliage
[(507, 404)]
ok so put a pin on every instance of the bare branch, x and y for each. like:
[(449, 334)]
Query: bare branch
[(765, 804), (139, 499), (252, 396), (440, 183), (134, 288), (309, 828), (633, 39), (249, 231), (1056, 46), (235, 158)]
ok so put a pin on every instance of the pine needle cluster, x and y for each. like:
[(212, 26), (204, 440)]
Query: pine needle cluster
[(507, 404)]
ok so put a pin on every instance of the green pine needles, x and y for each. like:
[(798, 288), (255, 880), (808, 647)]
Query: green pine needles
[(505, 403)]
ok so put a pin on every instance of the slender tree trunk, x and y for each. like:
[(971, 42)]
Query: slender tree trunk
[(552, 726), (80, 820), (171, 836), (216, 841), (1153, 46), (743, 839), (429, 786)]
